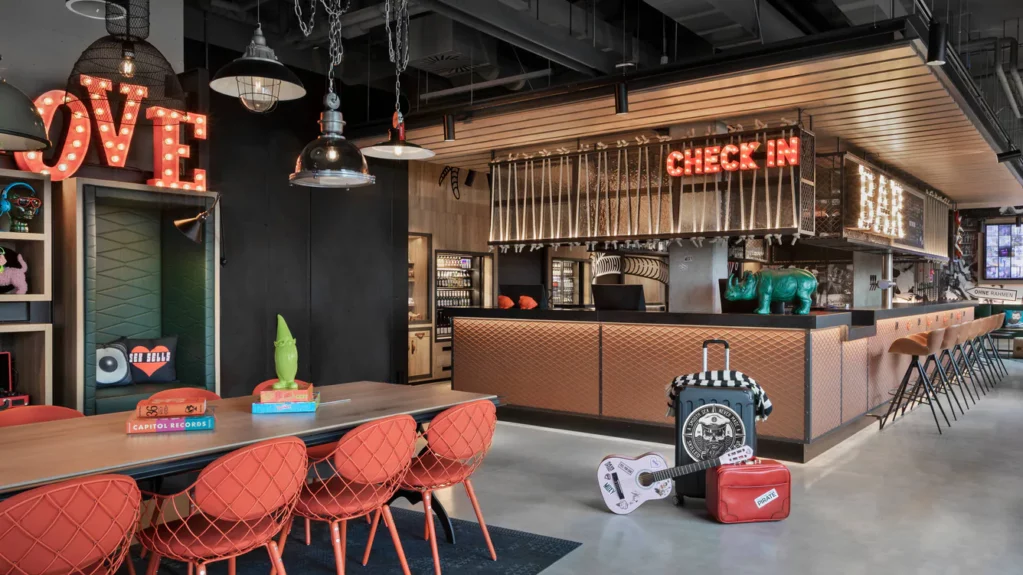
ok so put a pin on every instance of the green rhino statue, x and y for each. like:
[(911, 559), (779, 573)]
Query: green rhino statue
[(765, 286)]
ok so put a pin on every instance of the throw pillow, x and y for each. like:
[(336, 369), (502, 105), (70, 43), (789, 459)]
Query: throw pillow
[(152, 360), (1014, 318), (112, 368), (505, 302)]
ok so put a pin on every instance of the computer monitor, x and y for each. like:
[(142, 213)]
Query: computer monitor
[(619, 297), (536, 291)]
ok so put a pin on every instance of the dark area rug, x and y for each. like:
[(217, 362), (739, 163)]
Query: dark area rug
[(518, 552)]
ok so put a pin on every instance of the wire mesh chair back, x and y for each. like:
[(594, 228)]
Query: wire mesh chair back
[(186, 393), (456, 443), (363, 472), (268, 384), (252, 483), (36, 414), (77, 527), (238, 503)]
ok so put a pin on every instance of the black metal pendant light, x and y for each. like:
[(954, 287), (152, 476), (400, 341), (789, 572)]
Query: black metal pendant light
[(396, 147), (21, 127), (258, 79), (937, 40), (125, 56), (192, 227)]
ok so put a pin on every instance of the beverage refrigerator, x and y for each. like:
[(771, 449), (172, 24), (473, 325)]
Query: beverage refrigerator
[(463, 279)]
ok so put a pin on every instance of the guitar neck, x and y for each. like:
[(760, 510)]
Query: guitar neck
[(681, 470)]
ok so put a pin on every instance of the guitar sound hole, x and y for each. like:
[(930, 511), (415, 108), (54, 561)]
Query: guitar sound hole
[(645, 479)]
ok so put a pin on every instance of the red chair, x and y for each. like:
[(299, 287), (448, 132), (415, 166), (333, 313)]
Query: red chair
[(76, 527), (238, 503), (36, 414), (186, 393), (359, 478), (316, 451), (456, 443)]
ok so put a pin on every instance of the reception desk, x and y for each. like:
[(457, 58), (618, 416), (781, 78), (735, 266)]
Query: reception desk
[(607, 370)]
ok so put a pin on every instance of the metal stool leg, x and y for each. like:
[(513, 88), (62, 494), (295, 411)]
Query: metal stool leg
[(967, 369), (942, 386), (932, 396), (951, 392), (995, 352), (894, 405), (959, 376)]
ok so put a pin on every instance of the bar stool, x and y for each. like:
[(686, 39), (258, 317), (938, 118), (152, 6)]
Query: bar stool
[(988, 347), (972, 347), (920, 344), (953, 336), (962, 358)]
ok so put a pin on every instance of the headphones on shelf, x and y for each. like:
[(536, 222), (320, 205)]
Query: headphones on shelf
[(5, 204)]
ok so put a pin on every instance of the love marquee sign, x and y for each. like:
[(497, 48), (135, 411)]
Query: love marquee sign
[(115, 138)]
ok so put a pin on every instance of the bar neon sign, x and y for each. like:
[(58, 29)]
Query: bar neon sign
[(731, 158), (880, 205), (115, 140)]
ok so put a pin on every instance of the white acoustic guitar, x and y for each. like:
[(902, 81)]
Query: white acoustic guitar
[(627, 483)]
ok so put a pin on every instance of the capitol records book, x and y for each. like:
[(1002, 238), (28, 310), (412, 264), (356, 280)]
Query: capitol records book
[(170, 407), (286, 395), (288, 406), (140, 425)]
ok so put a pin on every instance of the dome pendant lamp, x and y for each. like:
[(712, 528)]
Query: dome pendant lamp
[(257, 78), (331, 161), (21, 127), (396, 147)]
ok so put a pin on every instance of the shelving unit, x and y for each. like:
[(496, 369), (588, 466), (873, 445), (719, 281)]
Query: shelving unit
[(31, 344), (35, 246)]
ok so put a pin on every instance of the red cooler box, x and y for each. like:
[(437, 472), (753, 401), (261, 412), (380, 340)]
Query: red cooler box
[(749, 492)]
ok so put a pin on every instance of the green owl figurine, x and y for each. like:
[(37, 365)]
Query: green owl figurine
[(285, 357)]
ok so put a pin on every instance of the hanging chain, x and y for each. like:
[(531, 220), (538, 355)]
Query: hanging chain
[(397, 44), (335, 9)]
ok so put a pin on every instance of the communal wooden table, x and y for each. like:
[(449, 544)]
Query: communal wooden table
[(41, 453)]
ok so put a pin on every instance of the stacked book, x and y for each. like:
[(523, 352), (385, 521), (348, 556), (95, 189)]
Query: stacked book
[(169, 415), (287, 401)]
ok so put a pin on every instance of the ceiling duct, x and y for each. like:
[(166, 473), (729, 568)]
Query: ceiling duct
[(446, 48), (728, 23)]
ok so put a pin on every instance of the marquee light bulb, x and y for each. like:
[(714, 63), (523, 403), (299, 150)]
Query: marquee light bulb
[(48, 101), (168, 172), (79, 129), (103, 128), (77, 143), (115, 159), (120, 146), (200, 188), (125, 131), (99, 111), (109, 144), (72, 157), (32, 155), (168, 157), (182, 150), (168, 128), (128, 116), (199, 177), (62, 167), (168, 141), (40, 110)]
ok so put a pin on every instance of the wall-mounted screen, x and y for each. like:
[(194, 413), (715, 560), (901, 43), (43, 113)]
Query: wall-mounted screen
[(1003, 251)]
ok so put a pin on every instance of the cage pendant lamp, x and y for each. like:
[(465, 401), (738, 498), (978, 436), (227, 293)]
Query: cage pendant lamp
[(396, 147), (258, 79), (331, 161)]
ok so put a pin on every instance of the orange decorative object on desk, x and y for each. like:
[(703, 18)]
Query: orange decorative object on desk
[(526, 302)]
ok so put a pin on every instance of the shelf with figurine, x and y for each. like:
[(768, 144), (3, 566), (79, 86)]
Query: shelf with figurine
[(25, 237)]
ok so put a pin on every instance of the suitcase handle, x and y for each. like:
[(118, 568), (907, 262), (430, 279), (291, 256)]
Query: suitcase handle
[(716, 342)]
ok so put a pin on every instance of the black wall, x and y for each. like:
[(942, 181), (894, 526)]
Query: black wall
[(331, 261), (525, 267)]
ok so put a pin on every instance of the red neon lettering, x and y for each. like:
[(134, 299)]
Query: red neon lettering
[(746, 150), (770, 153), (75, 145), (672, 163), (115, 141), (710, 160), (729, 150), (167, 150), (788, 152)]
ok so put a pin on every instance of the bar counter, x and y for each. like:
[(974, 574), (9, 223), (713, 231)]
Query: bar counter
[(607, 370)]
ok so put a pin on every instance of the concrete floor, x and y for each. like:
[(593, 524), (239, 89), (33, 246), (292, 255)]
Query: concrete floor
[(905, 500)]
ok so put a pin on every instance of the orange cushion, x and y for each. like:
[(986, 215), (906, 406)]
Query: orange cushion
[(505, 302), (526, 302), (321, 451), (339, 499), (431, 472), (199, 537)]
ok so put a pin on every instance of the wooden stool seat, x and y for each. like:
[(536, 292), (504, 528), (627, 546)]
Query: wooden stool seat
[(924, 343)]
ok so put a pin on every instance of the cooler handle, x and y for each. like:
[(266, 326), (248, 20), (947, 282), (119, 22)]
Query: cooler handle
[(716, 342)]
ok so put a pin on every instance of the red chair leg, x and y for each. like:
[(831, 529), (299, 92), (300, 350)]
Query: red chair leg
[(275, 556), (335, 540), (389, 521), (131, 568), (200, 569), (154, 564), (232, 566), (308, 536), (428, 504), (191, 568), (479, 517), (426, 526), (285, 532), (372, 535)]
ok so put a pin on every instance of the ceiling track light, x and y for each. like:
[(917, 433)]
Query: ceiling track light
[(937, 39), (1013, 154), (621, 98), (449, 128)]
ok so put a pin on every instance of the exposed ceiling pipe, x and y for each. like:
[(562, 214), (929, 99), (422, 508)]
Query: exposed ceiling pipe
[(488, 84), (996, 44), (1014, 68)]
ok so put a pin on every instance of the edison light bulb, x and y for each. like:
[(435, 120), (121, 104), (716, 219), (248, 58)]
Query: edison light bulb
[(331, 154), (127, 64), (398, 150)]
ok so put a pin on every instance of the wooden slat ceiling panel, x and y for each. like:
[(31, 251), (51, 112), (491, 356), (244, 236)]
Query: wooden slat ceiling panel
[(888, 103)]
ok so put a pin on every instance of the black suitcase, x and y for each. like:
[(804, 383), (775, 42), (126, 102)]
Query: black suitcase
[(708, 422)]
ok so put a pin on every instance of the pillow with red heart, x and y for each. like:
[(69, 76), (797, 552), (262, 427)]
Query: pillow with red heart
[(152, 360)]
